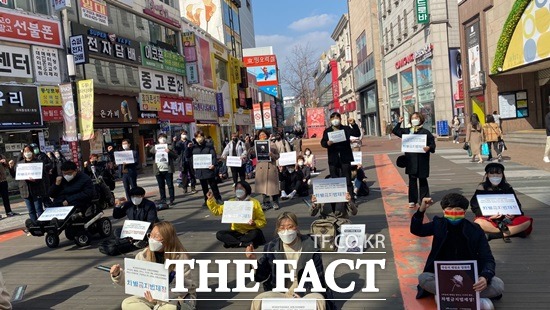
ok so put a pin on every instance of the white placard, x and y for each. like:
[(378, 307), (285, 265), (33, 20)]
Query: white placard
[(234, 161), (330, 190), (59, 212), (161, 156), (124, 157), (142, 276), (29, 171), (284, 304), (413, 143), (507, 105), (287, 159), (504, 204), (202, 161), (352, 238), (239, 212), (357, 158), (134, 229), (337, 136)]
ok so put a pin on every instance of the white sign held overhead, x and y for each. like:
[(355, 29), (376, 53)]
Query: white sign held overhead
[(287, 159)]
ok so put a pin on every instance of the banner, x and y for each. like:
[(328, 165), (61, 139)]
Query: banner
[(267, 115), (161, 82), (45, 32), (95, 10), (69, 120), (86, 108), (258, 124)]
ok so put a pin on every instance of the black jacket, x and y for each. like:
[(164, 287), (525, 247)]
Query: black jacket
[(506, 190), (477, 242), (340, 153), (291, 181), (146, 211), (181, 148), (547, 122), (79, 192), (204, 148), (101, 170), (418, 164)]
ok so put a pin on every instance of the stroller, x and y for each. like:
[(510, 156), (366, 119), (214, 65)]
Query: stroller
[(80, 223)]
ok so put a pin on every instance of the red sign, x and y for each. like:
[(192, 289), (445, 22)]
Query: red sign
[(158, 11), (460, 88), (262, 60), (173, 109), (335, 84), (29, 29), (404, 61), (74, 150), (52, 114), (315, 117)]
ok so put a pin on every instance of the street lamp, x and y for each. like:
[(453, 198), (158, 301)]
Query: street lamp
[(71, 68)]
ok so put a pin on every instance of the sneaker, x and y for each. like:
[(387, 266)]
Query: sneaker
[(352, 207), (11, 214), (412, 205), (283, 194), (193, 191), (486, 304), (546, 159), (276, 206), (291, 195)]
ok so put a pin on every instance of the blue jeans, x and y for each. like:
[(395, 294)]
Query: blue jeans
[(34, 206)]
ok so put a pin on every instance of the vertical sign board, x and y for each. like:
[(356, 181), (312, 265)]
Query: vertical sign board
[(422, 13)]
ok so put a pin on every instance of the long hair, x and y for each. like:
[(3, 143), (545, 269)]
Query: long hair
[(487, 185), (475, 121), (170, 243)]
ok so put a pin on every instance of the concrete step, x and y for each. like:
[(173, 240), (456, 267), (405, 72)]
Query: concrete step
[(526, 137)]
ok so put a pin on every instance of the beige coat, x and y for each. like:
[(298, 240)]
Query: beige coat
[(267, 174), (474, 136)]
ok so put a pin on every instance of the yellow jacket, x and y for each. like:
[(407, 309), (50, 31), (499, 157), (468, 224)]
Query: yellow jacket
[(492, 132), (257, 215)]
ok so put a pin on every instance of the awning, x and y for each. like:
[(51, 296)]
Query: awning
[(207, 122)]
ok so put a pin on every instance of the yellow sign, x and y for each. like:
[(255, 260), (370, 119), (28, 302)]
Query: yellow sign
[(49, 96), (188, 38), (235, 67), (86, 108), (149, 102)]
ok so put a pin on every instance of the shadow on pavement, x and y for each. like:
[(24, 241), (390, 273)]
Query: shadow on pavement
[(51, 300)]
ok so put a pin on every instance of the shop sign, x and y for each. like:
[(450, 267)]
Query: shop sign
[(49, 96), (59, 5), (6, 4), (19, 107), (23, 28), (219, 104), (15, 62), (219, 50), (105, 45), (115, 109), (13, 147), (148, 115), (46, 64), (161, 82), (52, 114), (174, 110), (423, 53), (79, 52), (161, 59), (149, 102), (159, 11), (192, 71), (421, 10), (148, 118), (95, 10), (404, 61)]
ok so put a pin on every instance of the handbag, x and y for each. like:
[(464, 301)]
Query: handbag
[(466, 146), (484, 149)]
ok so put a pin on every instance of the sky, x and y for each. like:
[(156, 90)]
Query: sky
[(285, 23)]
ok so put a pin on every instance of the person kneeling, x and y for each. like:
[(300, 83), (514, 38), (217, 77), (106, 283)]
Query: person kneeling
[(340, 210), (240, 235), (456, 238)]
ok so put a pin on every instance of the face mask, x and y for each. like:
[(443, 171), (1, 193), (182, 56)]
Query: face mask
[(162, 140), (136, 200), (126, 146), (155, 245), (28, 155), (290, 170), (308, 152), (240, 193), (235, 139), (415, 122), (335, 122), (495, 180), (183, 137), (300, 163), (68, 177), (93, 162), (199, 140), (288, 236), (57, 156), (454, 217)]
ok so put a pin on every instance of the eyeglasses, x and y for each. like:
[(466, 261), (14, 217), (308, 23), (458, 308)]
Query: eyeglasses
[(156, 237)]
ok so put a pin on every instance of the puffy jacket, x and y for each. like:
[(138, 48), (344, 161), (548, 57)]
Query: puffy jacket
[(201, 149), (79, 192), (257, 215), (146, 211)]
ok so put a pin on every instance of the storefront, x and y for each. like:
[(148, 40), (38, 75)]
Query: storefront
[(369, 110)]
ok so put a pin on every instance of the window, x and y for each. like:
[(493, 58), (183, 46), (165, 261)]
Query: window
[(399, 27), (405, 23), (221, 69), (154, 32), (35, 6), (391, 34)]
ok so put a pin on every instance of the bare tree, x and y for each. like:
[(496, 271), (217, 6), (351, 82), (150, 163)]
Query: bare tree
[(298, 74)]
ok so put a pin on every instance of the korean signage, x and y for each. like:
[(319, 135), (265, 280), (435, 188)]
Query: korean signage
[(159, 10), (15, 61), (161, 82), (422, 13), (59, 5), (23, 28), (192, 73), (46, 64), (266, 107), (264, 68), (404, 61), (106, 45), (86, 108), (95, 10), (219, 104), (175, 110), (6, 4), (149, 102), (69, 120), (49, 96), (161, 59), (52, 114), (423, 53), (115, 109), (79, 52), (454, 285), (19, 107)]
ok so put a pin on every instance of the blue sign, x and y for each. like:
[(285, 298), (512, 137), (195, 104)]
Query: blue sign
[(219, 104), (270, 90)]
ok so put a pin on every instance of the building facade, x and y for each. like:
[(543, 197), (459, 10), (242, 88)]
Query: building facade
[(508, 67), (247, 24), (346, 89)]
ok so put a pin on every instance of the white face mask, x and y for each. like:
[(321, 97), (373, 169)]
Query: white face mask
[(68, 177), (136, 200), (335, 122), (183, 137), (199, 140), (240, 193), (308, 152), (288, 236), (162, 140), (126, 146), (27, 155), (415, 122), (290, 170), (495, 180), (300, 163), (155, 245)]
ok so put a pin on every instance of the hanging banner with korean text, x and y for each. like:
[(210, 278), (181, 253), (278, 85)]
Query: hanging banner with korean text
[(46, 64), (267, 115), (28, 29), (162, 59), (95, 10), (19, 107), (161, 82), (15, 61), (86, 108), (258, 119), (69, 121), (149, 102)]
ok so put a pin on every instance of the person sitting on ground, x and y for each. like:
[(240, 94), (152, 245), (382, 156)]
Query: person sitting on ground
[(292, 245), (240, 235), (306, 171), (499, 225), (309, 160), (95, 169), (359, 178), (339, 210), (74, 188), (163, 244), (454, 239), (291, 181), (138, 208)]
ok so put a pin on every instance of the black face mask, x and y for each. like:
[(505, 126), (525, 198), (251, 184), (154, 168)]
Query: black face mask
[(235, 139)]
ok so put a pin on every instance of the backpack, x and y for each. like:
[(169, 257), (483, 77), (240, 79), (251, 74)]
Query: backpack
[(116, 246), (326, 230)]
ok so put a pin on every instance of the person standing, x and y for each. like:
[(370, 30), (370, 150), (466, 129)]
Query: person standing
[(340, 154), (474, 137), (418, 164), (206, 176), (4, 167), (267, 174), (547, 148), (236, 147), (492, 134), (297, 142), (129, 171), (164, 170), (456, 129), (188, 174)]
